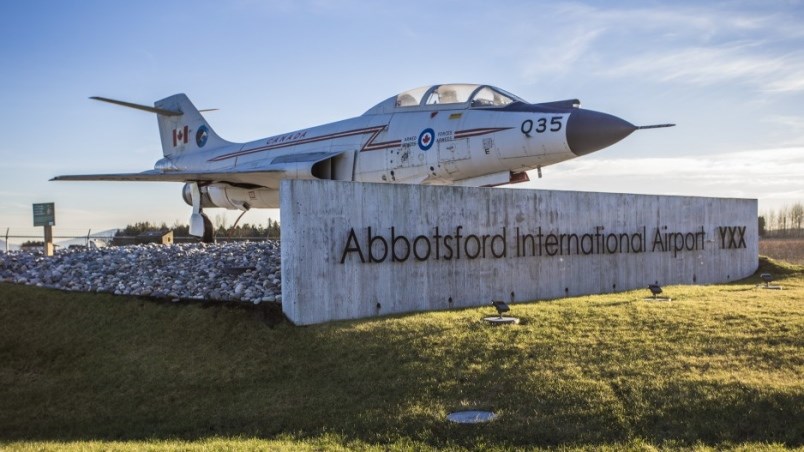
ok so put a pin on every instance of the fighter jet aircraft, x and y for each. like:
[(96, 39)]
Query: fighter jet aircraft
[(461, 134)]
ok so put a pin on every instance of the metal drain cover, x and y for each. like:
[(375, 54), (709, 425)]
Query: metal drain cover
[(471, 417)]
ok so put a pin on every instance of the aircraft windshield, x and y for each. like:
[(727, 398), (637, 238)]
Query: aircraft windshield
[(450, 94), (478, 95), (411, 98), (488, 97)]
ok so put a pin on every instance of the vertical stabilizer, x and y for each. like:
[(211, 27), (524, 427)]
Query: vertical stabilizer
[(185, 132)]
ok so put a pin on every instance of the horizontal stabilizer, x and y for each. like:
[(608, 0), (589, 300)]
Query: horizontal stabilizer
[(159, 111)]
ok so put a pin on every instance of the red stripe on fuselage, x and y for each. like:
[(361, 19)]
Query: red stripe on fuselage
[(477, 132), (348, 133), (370, 145)]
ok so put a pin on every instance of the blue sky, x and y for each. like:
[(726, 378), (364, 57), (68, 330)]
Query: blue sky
[(730, 74)]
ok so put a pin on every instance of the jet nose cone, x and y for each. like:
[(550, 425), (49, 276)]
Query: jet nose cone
[(589, 131)]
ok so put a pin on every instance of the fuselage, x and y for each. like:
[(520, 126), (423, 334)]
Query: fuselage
[(464, 134), (465, 143), (441, 146)]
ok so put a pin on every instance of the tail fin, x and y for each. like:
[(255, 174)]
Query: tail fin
[(186, 131), (181, 126)]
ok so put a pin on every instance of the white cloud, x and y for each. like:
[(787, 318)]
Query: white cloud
[(792, 81), (559, 57), (770, 175), (795, 122), (790, 128), (736, 62), (699, 45)]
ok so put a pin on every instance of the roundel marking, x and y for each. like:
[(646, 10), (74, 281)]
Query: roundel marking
[(426, 139), (201, 136)]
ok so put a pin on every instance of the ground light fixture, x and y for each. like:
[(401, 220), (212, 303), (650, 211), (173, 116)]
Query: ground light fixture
[(655, 290), (471, 416), (767, 277), (501, 308)]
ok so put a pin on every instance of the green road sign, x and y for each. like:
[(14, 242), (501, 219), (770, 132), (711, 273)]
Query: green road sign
[(44, 214)]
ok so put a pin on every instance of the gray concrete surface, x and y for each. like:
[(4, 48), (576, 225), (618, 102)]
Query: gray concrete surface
[(529, 245)]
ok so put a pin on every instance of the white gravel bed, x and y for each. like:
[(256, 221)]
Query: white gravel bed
[(233, 271)]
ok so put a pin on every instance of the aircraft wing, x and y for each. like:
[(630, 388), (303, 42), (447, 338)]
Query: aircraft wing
[(266, 178), (263, 173)]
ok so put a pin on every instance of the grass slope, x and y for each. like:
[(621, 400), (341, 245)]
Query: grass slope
[(719, 366)]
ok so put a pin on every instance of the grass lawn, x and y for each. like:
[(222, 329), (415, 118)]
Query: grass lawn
[(718, 367)]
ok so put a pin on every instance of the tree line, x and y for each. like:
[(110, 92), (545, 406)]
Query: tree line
[(270, 230), (782, 223)]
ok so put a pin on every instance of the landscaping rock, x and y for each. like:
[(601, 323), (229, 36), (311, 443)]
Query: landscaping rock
[(179, 271)]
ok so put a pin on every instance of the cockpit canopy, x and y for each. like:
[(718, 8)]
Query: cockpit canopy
[(456, 95)]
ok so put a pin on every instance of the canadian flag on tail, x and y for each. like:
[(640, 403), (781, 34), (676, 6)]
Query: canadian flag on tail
[(180, 136)]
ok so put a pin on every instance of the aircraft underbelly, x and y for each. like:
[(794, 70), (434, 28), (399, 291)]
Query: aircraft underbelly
[(229, 197)]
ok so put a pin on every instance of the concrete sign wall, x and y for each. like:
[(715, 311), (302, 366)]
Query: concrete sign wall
[(353, 250)]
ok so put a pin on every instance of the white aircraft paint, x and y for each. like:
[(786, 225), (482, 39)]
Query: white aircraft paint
[(461, 134)]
